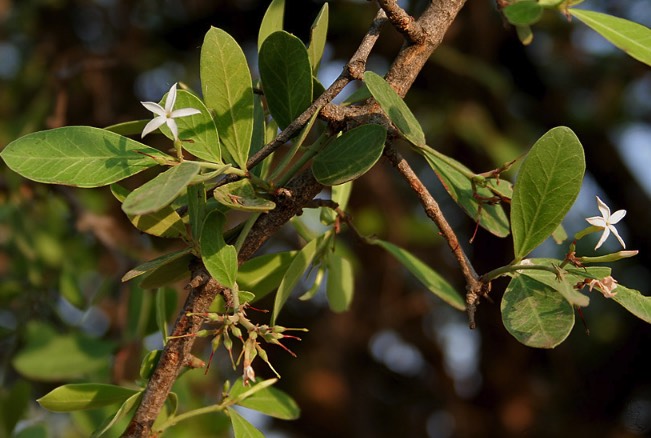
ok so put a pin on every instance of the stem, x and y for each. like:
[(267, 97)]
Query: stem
[(504, 270), (316, 147), (295, 147)]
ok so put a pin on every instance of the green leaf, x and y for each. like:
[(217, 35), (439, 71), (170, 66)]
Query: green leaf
[(297, 268), (318, 35), (241, 195), (548, 182), (227, 90), (426, 275), (565, 287), (14, 402), (175, 269), (134, 127), (128, 405), (79, 156), (340, 285), (523, 13), (525, 34), (196, 209), (155, 263), (455, 180), (165, 222), (397, 110), (536, 314), (631, 37), (350, 155), (198, 132), (219, 258), (272, 20), (339, 194), (81, 396), (633, 301), (241, 427), (286, 76), (264, 273), (149, 363), (162, 190), (69, 356), (270, 401)]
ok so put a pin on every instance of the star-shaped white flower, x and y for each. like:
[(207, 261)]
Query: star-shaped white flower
[(166, 116), (607, 222)]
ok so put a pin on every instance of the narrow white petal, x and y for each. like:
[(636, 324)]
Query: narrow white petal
[(153, 125), (596, 221), (171, 99), (175, 130), (617, 216), (154, 108), (603, 208), (614, 230), (604, 236), (184, 112)]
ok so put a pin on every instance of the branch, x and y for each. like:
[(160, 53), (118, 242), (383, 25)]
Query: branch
[(403, 22)]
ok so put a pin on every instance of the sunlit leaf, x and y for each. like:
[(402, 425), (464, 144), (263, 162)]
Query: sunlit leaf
[(80, 396), (79, 156), (548, 182), (523, 13), (286, 76), (264, 273), (536, 314), (426, 275), (318, 35), (272, 20), (227, 90), (458, 184), (219, 258), (241, 427), (162, 190), (633, 301), (631, 37), (349, 156), (172, 270), (270, 401), (340, 284), (155, 263), (128, 405), (241, 195), (397, 110)]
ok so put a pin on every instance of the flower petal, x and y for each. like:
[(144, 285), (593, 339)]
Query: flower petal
[(597, 221), (617, 216), (171, 99), (154, 108), (184, 112), (603, 208), (614, 230), (603, 238), (175, 130), (153, 125)]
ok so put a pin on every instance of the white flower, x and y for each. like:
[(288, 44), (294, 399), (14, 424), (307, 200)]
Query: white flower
[(166, 115), (607, 222), (248, 375)]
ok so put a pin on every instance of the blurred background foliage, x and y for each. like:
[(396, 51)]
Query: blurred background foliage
[(400, 363)]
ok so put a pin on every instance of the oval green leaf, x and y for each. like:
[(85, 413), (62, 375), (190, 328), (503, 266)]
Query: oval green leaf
[(272, 21), (160, 191), (175, 269), (219, 258), (349, 156), (523, 13), (340, 285), (426, 275), (155, 264), (264, 273), (396, 108), (79, 156), (547, 185), (241, 427), (286, 76), (81, 396), (459, 186), (536, 314), (241, 195), (269, 400), (633, 301), (631, 37), (165, 222), (129, 405), (318, 35), (227, 90)]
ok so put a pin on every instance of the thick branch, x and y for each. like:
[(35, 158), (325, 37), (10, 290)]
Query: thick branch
[(403, 22)]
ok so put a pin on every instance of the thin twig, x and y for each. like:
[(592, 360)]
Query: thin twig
[(403, 22)]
